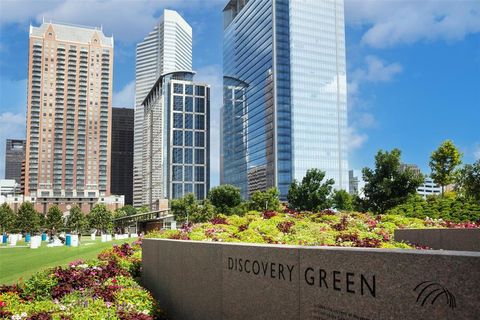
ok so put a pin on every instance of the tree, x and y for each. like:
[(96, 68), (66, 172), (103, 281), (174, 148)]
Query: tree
[(129, 210), (388, 185), (224, 198), (7, 218), (443, 163), (265, 200), (342, 200), (76, 222), (468, 180), (188, 208), (311, 194), (100, 218), (54, 219), (28, 219)]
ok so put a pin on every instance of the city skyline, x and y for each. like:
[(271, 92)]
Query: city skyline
[(397, 98)]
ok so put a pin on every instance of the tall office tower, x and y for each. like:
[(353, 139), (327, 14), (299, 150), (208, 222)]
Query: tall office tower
[(176, 139), (69, 114), (14, 155), (121, 174), (285, 93), (167, 48)]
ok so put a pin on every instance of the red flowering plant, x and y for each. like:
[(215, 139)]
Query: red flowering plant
[(268, 214), (219, 220)]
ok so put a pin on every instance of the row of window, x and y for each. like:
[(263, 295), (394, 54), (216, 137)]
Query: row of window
[(181, 121), (188, 89), (179, 190), (180, 155), (185, 138), (188, 173), (187, 106)]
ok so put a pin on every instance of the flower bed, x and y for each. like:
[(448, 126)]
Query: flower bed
[(106, 288), (326, 228)]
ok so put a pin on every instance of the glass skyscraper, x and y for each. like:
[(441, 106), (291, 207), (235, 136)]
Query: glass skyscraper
[(285, 93)]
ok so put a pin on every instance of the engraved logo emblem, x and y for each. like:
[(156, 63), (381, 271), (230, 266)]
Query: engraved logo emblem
[(430, 292)]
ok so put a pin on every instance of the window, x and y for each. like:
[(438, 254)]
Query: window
[(189, 156), (177, 190), (188, 173), (199, 174), (188, 138), (200, 191), (200, 90), (178, 103), (188, 89), (177, 173), (199, 156), (200, 105), (188, 104), (188, 188), (178, 88), (199, 139), (200, 122), (177, 155), (188, 121), (177, 138), (178, 120)]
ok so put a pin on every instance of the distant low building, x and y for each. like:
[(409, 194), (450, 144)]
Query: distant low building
[(356, 183), (429, 188), (414, 167), (14, 156), (9, 187)]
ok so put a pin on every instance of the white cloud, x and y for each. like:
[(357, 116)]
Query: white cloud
[(476, 151), (390, 23), (355, 139), (128, 21), (212, 75), (125, 97), (12, 127)]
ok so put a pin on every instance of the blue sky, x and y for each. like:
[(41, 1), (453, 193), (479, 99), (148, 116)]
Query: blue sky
[(413, 67)]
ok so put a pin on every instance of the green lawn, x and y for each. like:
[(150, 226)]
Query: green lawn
[(19, 262)]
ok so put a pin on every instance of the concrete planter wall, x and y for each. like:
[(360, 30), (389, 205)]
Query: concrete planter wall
[(202, 280), (446, 239)]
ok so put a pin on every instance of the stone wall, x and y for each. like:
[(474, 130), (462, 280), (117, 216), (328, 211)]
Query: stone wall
[(205, 280), (445, 239)]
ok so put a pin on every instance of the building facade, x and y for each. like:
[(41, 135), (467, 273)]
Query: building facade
[(14, 156), (285, 99), (9, 187), (356, 183), (166, 49), (429, 188), (69, 114), (121, 173), (176, 144)]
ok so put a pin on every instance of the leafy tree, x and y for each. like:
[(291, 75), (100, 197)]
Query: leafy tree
[(143, 209), (443, 163), (224, 198), (311, 194), (387, 185), (7, 218), (469, 180), (129, 210), (100, 218), (77, 222), (342, 200), (188, 208), (54, 220), (28, 219), (268, 200)]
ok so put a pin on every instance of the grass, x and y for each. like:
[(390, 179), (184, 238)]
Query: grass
[(18, 262)]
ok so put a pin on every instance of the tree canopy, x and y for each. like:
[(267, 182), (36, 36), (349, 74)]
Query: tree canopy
[(76, 222), (444, 162), (311, 194), (7, 218), (28, 219), (54, 220), (468, 180), (100, 218), (388, 185), (265, 200), (224, 198)]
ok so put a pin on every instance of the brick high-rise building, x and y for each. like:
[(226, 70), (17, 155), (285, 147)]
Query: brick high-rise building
[(14, 155), (69, 115)]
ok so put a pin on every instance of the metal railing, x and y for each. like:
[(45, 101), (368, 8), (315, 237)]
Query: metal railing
[(144, 217)]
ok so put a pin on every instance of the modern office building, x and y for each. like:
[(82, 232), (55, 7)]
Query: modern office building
[(14, 155), (429, 188), (356, 183), (121, 171), (69, 114), (176, 137), (166, 49), (285, 98)]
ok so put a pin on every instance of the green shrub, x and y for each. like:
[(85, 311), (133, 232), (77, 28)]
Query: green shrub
[(40, 284)]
